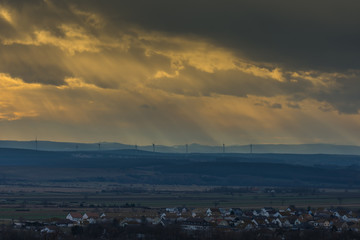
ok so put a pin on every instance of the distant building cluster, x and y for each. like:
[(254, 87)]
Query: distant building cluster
[(202, 219)]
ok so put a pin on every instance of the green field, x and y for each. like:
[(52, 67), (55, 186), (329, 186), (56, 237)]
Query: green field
[(46, 202)]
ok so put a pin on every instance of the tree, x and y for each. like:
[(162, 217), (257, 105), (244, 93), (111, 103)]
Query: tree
[(77, 230)]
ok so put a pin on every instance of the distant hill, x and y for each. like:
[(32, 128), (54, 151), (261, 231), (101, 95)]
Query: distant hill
[(192, 148), (146, 167)]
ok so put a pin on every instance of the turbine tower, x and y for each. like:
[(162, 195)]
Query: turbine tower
[(223, 148), (153, 147), (36, 143)]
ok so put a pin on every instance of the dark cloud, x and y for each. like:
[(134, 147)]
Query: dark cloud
[(344, 97), (296, 34), (294, 105), (276, 105), (265, 103), (33, 65), (148, 107), (6, 28), (326, 108)]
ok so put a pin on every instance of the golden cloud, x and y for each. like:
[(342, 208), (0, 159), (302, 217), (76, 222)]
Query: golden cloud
[(6, 15)]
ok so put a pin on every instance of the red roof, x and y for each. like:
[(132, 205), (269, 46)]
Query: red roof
[(75, 215), (92, 215)]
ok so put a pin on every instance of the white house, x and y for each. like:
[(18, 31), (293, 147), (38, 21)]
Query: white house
[(90, 217), (49, 229), (208, 212), (74, 216), (264, 213)]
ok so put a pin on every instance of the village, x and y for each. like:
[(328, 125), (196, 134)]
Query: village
[(205, 219)]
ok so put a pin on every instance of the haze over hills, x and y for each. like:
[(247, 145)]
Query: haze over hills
[(131, 166), (192, 148), (310, 165)]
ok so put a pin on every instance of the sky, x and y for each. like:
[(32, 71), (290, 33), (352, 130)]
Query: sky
[(176, 72)]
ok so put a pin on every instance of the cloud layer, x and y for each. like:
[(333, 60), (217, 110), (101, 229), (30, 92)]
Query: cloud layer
[(183, 71)]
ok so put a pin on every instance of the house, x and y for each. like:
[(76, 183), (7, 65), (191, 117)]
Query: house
[(224, 212), (49, 229), (345, 218), (237, 211), (64, 223), (182, 219), (172, 210), (355, 227), (19, 225), (341, 226), (264, 213), (327, 224), (277, 215), (90, 217), (214, 212), (155, 221), (110, 216), (291, 210), (130, 222), (195, 224), (305, 218), (261, 222), (222, 223), (74, 216), (277, 222), (249, 227), (297, 222), (248, 214), (198, 212), (208, 212), (171, 217)]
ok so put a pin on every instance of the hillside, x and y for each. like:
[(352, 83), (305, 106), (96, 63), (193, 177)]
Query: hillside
[(130, 166)]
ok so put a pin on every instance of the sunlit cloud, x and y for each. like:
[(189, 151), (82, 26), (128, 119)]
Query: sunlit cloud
[(6, 15), (74, 40)]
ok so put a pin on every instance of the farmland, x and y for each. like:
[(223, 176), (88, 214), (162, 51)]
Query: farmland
[(55, 202)]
